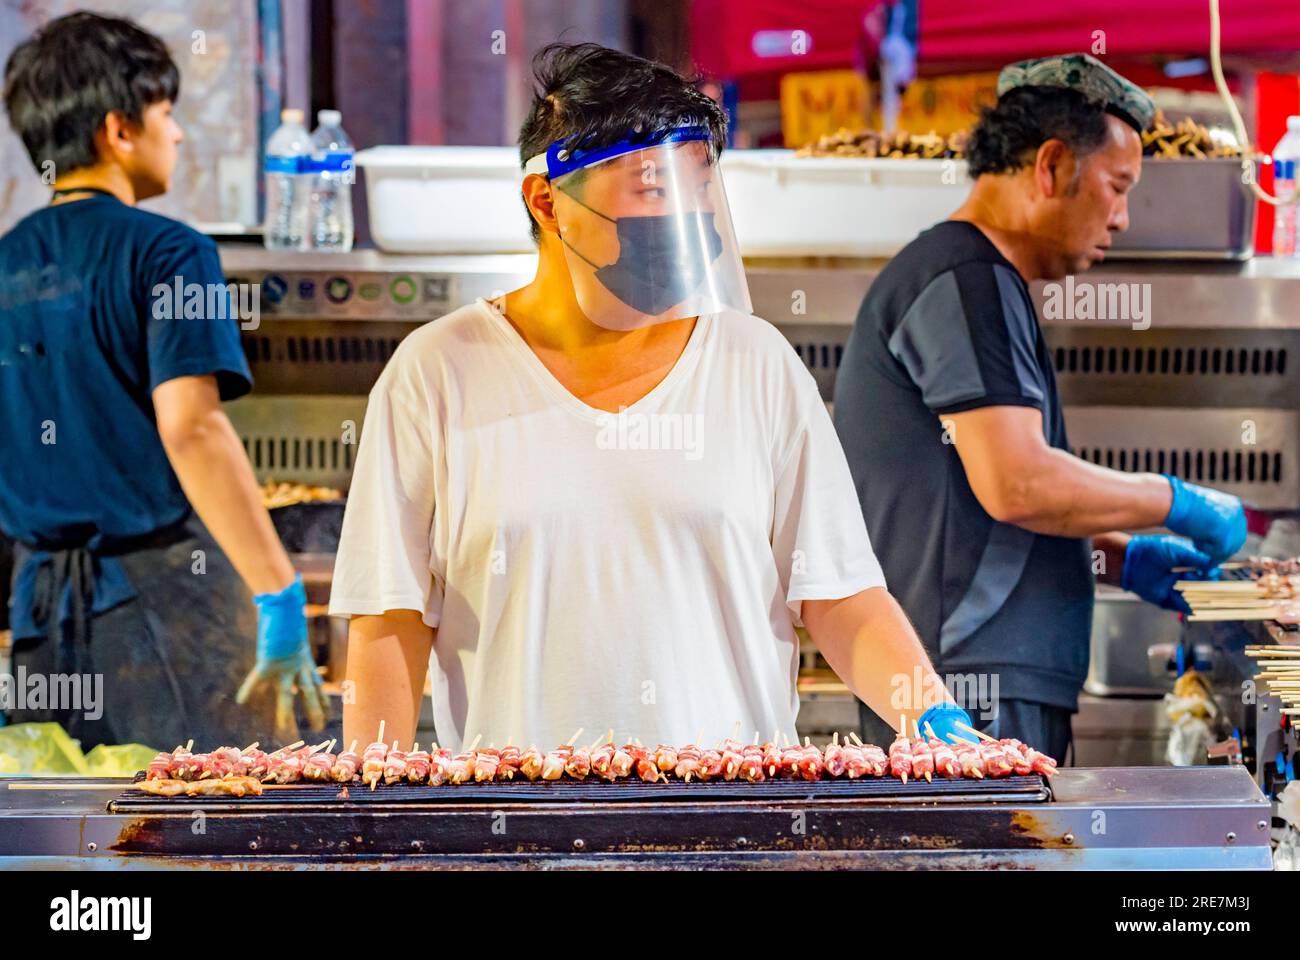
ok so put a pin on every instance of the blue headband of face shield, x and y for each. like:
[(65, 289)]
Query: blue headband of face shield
[(557, 161)]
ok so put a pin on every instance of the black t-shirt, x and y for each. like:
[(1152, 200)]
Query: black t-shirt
[(100, 303), (949, 326)]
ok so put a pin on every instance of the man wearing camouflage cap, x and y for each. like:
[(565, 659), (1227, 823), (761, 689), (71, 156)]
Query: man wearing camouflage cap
[(947, 407)]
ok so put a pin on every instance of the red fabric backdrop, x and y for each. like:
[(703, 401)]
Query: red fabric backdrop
[(970, 34)]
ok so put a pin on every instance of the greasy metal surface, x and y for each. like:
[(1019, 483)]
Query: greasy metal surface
[(1116, 818), (1245, 858)]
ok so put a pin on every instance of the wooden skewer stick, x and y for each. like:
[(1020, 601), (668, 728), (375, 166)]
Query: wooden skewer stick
[(929, 732), (380, 738), (119, 785), (978, 733), (473, 745), (252, 746), (353, 748), (574, 739)]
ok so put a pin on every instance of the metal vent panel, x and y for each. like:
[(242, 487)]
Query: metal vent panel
[(307, 439), (821, 348), (1249, 452), (1200, 368), (321, 356)]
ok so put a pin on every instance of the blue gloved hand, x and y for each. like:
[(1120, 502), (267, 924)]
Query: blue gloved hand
[(1214, 521), (1148, 569), (283, 656), (943, 719)]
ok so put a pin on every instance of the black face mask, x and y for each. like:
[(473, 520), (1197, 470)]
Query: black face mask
[(659, 273)]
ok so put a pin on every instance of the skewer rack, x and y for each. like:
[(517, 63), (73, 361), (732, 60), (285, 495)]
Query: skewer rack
[(1026, 789)]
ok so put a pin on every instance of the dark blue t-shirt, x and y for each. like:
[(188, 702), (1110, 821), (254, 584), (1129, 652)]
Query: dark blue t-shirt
[(90, 324), (949, 326)]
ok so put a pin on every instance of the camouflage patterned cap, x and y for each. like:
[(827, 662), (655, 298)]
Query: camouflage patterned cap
[(1085, 73)]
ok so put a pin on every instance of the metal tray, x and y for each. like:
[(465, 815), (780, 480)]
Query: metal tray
[(1189, 209)]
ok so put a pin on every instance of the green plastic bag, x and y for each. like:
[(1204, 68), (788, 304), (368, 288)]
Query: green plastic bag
[(121, 760), (45, 749)]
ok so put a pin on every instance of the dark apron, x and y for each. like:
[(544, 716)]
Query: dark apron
[(166, 633)]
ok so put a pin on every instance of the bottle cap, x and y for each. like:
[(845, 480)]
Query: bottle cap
[(289, 115), (1293, 124), (329, 118)]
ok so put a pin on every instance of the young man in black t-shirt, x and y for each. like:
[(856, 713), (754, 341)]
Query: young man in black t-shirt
[(146, 563)]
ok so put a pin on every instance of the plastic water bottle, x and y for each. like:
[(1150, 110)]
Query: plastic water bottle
[(331, 188), (1286, 165), (288, 183)]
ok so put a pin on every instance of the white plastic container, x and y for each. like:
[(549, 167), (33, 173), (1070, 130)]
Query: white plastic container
[(836, 206), (446, 199)]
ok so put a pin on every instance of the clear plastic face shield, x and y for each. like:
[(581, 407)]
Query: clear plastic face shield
[(646, 230)]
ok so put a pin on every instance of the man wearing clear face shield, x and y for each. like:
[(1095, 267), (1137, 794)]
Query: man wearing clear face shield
[(607, 500)]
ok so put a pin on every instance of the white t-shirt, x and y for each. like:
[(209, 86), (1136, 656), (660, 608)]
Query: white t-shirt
[(642, 571)]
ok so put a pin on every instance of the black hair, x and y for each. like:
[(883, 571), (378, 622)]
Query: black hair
[(62, 82), (1008, 134), (593, 97)]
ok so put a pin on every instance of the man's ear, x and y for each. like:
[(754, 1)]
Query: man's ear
[(540, 197), (1053, 168), (114, 137)]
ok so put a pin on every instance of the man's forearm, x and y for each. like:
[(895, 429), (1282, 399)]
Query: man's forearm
[(388, 657), (218, 480), (1069, 497), (871, 646)]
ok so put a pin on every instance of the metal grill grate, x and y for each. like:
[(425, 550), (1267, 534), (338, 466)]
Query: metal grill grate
[(302, 456), (1198, 466), (1191, 361), (1033, 789), (318, 349)]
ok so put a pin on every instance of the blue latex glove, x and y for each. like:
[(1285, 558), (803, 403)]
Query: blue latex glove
[(1214, 521), (284, 656), (1148, 569), (943, 719)]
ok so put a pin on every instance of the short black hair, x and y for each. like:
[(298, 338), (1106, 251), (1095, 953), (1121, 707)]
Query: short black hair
[(62, 82), (594, 96), (1008, 134)]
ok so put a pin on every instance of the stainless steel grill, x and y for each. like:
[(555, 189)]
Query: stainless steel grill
[(1202, 818)]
